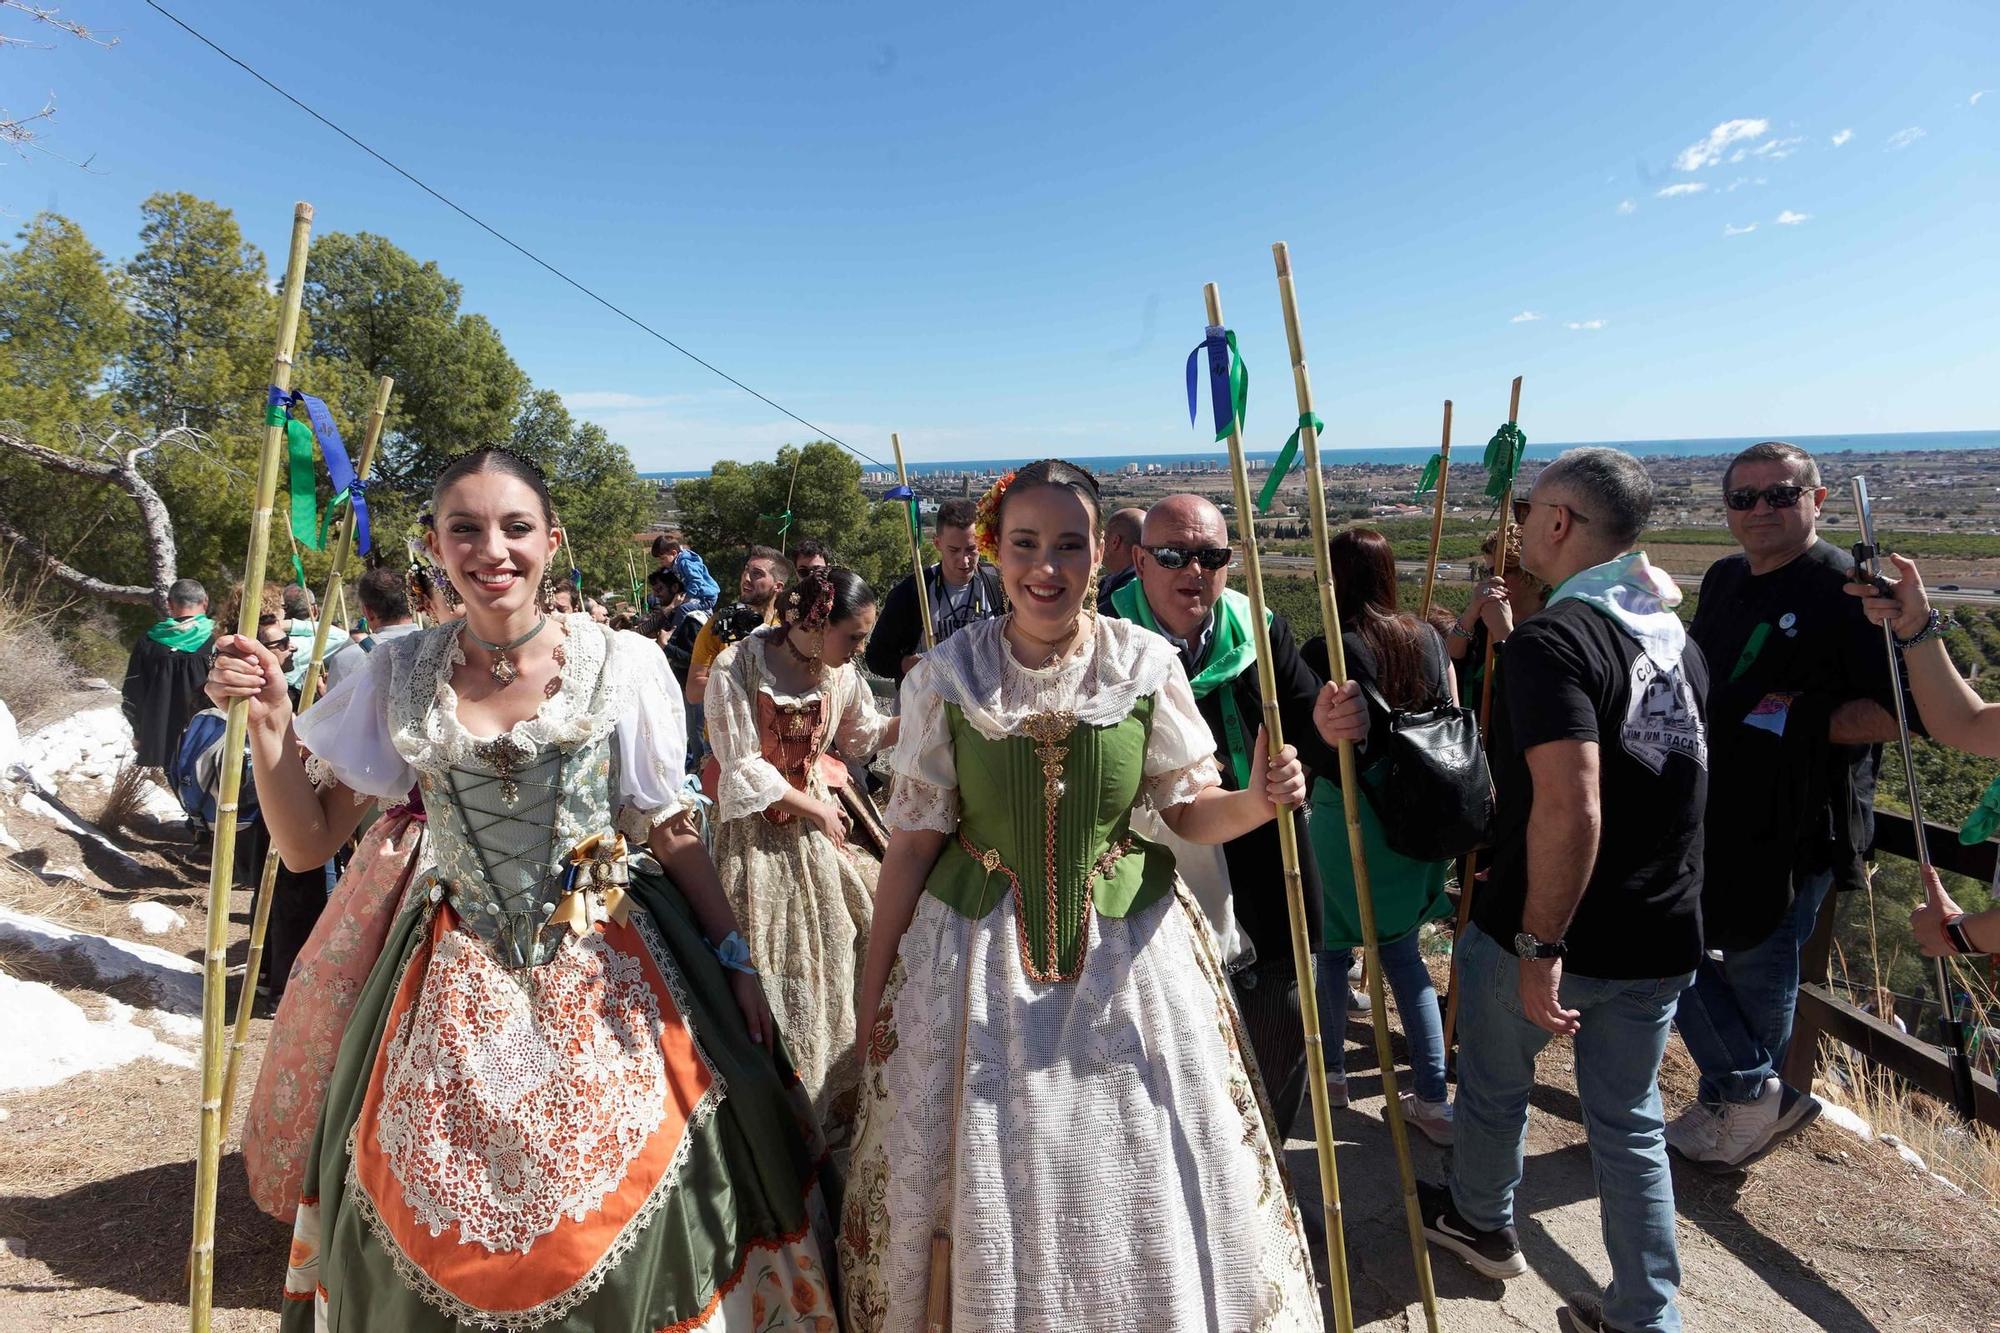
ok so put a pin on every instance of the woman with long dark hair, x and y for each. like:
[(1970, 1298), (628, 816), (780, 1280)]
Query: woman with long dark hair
[(1403, 660), (785, 705)]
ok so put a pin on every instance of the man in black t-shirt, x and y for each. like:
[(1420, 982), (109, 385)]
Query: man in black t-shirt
[(1801, 691), (1590, 927)]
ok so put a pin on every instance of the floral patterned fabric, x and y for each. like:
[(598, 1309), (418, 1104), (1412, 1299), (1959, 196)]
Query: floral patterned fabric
[(328, 976)]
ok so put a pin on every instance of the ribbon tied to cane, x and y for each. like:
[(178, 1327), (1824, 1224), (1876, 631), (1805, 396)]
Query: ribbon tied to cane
[(299, 439), (783, 520), (1228, 379), (909, 497), (1287, 456), (1503, 459), (1432, 471)]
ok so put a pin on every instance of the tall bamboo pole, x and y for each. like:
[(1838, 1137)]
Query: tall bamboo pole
[(260, 920), (1288, 851), (916, 547), (1437, 516), (208, 1155), (1350, 783), (1466, 883)]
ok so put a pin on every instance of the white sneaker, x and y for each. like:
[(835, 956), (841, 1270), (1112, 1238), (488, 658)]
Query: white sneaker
[(1431, 1119), (1750, 1130), (1354, 970), (1360, 1006), (1692, 1133)]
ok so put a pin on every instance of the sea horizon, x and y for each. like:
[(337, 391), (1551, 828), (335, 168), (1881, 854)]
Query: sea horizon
[(1465, 451)]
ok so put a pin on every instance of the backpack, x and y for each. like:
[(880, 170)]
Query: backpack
[(1429, 786), (194, 771)]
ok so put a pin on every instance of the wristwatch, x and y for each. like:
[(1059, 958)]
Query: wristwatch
[(1528, 947), (1954, 929)]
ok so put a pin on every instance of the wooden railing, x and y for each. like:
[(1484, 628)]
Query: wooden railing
[(1821, 1012)]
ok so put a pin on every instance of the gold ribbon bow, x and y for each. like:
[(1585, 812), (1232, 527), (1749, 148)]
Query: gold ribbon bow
[(601, 877)]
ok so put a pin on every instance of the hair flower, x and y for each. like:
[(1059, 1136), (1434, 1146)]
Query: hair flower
[(986, 523)]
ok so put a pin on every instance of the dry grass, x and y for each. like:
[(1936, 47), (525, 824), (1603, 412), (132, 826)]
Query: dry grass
[(1966, 1155), (35, 676), (122, 801)]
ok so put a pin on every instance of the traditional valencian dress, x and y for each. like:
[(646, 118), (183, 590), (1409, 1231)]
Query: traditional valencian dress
[(1114, 1167), (804, 903), (546, 1111)]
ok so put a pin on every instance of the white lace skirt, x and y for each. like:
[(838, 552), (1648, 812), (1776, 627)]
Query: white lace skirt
[(1116, 1168)]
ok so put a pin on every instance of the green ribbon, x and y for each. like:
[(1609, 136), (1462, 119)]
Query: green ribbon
[(1432, 471), (1503, 459), (784, 522), (332, 512), (1232, 650), (1752, 646), (183, 636), (304, 477), (1287, 456), (1985, 817), (298, 568)]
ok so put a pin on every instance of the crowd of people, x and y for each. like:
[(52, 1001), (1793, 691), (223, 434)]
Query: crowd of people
[(796, 960)]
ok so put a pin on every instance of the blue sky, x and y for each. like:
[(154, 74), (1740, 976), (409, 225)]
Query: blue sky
[(987, 226)]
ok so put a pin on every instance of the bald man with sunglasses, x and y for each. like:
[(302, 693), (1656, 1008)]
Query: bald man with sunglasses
[(1181, 592), (1799, 701)]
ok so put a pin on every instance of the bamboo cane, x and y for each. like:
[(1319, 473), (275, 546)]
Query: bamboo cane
[(208, 1155), (1437, 517), (260, 920), (1466, 882), (1350, 788), (1288, 851), (916, 548)]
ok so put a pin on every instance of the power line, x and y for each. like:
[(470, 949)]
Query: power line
[(502, 237)]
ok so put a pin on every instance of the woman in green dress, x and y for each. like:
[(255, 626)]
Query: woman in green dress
[(555, 1104), (1057, 1077), (1403, 660)]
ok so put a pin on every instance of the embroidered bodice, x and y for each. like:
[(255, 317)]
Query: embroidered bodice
[(766, 740), (509, 813), (1035, 774)]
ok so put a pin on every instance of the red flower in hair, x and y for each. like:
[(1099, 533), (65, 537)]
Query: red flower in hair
[(986, 522)]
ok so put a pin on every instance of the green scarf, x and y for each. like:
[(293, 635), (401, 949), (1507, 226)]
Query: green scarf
[(183, 636), (1231, 651)]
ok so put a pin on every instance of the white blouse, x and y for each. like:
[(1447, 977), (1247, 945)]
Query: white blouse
[(748, 783), (399, 713), (1113, 667)]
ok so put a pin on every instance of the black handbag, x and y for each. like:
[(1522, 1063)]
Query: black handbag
[(1428, 784)]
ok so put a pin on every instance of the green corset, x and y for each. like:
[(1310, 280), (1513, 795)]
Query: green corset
[(1053, 804)]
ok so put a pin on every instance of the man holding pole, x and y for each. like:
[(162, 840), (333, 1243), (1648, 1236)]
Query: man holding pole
[(1181, 592), (961, 591), (1590, 926)]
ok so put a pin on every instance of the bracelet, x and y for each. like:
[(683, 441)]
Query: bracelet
[(1961, 942), (734, 954), (1935, 625), (1459, 631)]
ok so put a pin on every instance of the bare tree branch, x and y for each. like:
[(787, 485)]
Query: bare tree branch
[(117, 463), (19, 132)]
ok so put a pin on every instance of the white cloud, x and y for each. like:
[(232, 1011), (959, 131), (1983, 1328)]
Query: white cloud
[(1742, 181), (1526, 317), (1627, 207), (1685, 187), (1790, 219), (1777, 150), (1904, 138), (1709, 151), (1730, 230), (1842, 137), (611, 400), (1590, 324), (1974, 99)]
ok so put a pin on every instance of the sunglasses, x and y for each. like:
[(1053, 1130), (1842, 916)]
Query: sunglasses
[(282, 647), (1177, 557), (1521, 508), (1782, 496)]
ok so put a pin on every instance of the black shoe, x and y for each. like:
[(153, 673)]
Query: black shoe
[(1494, 1254), (1583, 1314)]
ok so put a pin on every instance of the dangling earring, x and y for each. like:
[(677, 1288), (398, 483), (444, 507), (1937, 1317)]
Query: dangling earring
[(1090, 593), (447, 587), (548, 590)]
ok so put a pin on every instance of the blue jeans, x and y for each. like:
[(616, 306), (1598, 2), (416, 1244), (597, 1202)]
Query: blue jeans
[(1737, 1018), (1416, 1003), (1624, 1033)]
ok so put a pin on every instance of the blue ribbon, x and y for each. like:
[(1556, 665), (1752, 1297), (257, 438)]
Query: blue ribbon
[(1228, 379), (899, 493), (339, 470)]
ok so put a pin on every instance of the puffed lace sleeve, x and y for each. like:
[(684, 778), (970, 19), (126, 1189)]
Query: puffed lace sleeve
[(651, 736), (1180, 749), (924, 792), (858, 734), (347, 733), (748, 782)]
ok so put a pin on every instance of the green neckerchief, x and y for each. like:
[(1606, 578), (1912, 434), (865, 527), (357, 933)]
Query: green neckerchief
[(183, 636), (1231, 650)]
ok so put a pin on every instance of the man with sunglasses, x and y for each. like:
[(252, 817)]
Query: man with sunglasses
[(1181, 592), (1800, 696)]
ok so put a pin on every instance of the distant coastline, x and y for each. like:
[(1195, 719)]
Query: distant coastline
[(1468, 450)]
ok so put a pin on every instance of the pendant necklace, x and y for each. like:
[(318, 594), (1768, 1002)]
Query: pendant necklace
[(811, 662), (503, 667)]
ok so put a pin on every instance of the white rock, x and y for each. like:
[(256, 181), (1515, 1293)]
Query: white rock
[(174, 981), (1836, 1114), (155, 918), (96, 743), (52, 1039), (10, 740), (4, 1113), (7, 840)]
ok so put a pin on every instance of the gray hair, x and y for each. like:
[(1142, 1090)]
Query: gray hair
[(1615, 491), (1804, 470), (186, 592)]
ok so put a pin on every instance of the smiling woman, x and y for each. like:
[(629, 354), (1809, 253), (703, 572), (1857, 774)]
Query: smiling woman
[(1040, 983)]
